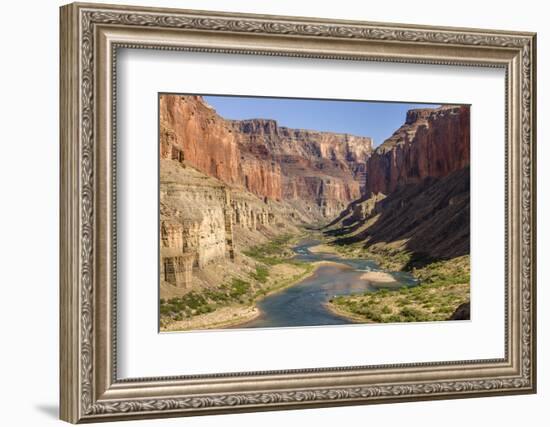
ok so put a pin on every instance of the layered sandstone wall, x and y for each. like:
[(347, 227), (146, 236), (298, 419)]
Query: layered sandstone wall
[(201, 214), (249, 214), (306, 144), (202, 220), (329, 194), (431, 143), (195, 222)]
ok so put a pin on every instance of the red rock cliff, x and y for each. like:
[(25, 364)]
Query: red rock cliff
[(322, 169), (431, 143), (192, 131)]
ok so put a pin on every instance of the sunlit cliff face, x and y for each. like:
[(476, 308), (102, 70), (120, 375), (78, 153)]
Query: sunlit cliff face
[(325, 170), (431, 143)]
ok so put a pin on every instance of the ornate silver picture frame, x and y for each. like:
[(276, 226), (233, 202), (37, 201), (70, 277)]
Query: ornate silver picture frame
[(91, 35)]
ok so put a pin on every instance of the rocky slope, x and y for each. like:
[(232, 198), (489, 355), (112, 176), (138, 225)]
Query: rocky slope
[(430, 220), (321, 171), (417, 198)]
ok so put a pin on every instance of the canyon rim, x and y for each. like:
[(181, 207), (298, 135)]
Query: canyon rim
[(280, 212)]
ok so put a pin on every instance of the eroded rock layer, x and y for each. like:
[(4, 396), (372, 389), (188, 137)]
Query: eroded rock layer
[(195, 222), (203, 221), (323, 168)]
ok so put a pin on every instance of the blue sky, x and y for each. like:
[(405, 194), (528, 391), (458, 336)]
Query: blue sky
[(365, 118)]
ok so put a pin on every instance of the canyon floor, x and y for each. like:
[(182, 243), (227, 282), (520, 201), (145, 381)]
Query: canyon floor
[(266, 284)]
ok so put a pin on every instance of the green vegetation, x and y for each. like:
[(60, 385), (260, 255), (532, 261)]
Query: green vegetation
[(456, 270), (194, 303), (445, 285), (261, 274), (274, 252), (240, 291), (386, 257)]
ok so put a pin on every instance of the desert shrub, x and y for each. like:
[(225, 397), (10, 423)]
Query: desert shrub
[(411, 314), (402, 302), (373, 314), (238, 288), (261, 274), (165, 309), (218, 295), (270, 253), (383, 292), (446, 272)]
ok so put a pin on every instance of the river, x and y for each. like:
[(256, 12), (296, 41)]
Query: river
[(303, 304)]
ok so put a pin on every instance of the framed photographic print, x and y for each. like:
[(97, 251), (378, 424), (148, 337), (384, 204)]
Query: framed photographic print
[(266, 212)]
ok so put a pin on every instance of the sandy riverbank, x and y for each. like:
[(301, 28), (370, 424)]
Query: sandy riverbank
[(221, 318), (378, 276), (317, 264), (324, 249)]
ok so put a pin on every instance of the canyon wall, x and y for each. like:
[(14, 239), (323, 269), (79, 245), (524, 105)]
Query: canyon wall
[(323, 169), (192, 131), (429, 219), (431, 143), (195, 222), (203, 221), (227, 183), (417, 196)]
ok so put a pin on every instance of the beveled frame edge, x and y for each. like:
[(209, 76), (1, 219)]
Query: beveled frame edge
[(88, 390)]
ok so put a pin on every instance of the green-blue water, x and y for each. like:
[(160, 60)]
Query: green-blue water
[(303, 304)]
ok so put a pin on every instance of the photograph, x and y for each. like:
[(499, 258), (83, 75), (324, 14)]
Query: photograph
[(293, 212)]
